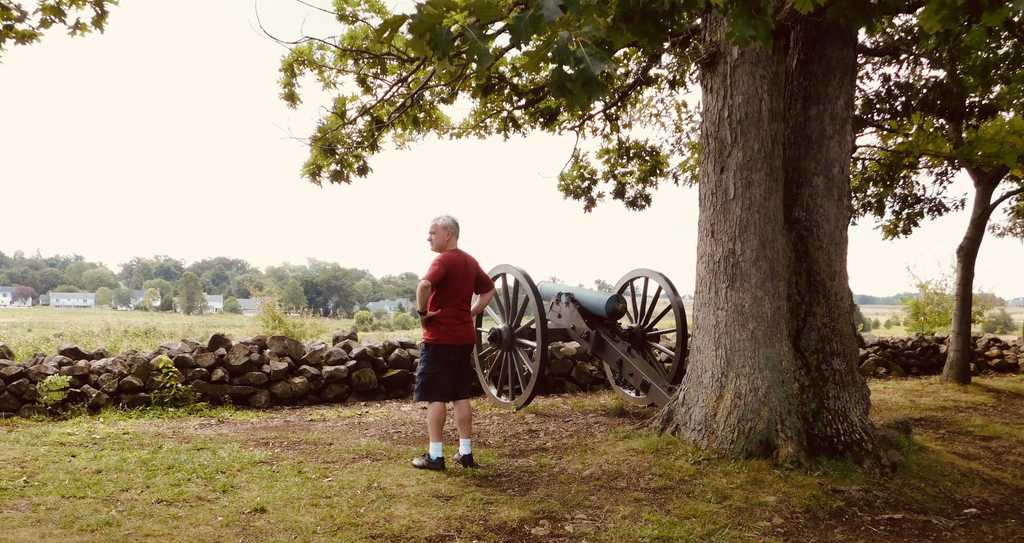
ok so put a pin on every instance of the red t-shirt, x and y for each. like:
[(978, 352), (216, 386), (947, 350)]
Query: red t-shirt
[(454, 277)]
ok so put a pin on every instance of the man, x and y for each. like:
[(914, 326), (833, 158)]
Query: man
[(446, 373)]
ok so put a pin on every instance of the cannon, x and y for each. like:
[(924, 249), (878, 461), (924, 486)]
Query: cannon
[(638, 331)]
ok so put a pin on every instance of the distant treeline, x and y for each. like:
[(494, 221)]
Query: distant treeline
[(987, 298), (895, 299), (327, 287)]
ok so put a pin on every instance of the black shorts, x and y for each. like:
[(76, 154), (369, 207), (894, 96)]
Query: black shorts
[(445, 373)]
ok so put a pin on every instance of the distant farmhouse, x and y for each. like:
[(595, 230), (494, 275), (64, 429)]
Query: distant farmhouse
[(214, 303), (250, 306), (7, 299), (72, 299), (390, 306)]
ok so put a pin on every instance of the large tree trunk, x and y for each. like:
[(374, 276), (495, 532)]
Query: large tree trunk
[(960, 354), (772, 368)]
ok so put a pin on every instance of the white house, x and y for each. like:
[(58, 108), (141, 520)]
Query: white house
[(391, 306), (73, 299), (215, 303), (250, 306), (7, 298)]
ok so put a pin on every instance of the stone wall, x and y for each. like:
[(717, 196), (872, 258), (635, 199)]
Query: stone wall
[(265, 371)]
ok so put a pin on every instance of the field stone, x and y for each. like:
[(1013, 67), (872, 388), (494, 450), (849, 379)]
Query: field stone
[(12, 373), (276, 370), (259, 399), (23, 388), (197, 374), (355, 365), (559, 367), (5, 352), (362, 353), (219, 375), (132, 401), (349, 345), (295, 387), (867, 368), (205, 360), (107, 382), (286, 346), (41, 371), (387, 347), (239, 360), (184, 362), (309, 372), (74, 352), (364, 380), (96, 398), (315, 354), (218, 341), (400, 359), (130, 384), (336, 392), (252, 378), (335, 356), (343, 335), (31, 410), (9, 402), (396, 379), (79, 369), (259, 341), (334, 374)]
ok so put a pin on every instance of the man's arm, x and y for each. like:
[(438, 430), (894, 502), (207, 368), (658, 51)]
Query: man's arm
[(481, 303), (423, 290)]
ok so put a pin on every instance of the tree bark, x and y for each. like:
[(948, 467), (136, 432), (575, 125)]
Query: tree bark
[(772, 369), (960, 353)]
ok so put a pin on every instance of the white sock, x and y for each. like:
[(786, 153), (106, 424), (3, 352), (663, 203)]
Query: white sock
[(436, 450), (465, 447)]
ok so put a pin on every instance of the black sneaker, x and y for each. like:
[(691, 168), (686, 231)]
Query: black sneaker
[(425, 462), (465, 460)]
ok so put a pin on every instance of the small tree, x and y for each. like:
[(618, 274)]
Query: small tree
[(603, 286), (364, 320), (122, 297), (999, 322), (292, 296), (104, 296), (231, 305), (403, 321), (149, 300), (190, 294)]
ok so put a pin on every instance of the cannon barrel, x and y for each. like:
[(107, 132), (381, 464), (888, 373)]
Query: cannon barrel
[(602, 304)]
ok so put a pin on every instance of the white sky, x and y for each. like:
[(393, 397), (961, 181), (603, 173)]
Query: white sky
[(165, 135)]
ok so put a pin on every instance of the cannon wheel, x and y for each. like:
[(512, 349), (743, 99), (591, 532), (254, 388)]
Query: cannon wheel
[(667, 345), (511, 350)]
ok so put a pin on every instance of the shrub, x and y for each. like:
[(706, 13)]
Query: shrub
[(231, 305), (104, 296), (363, 320), (403, 321), (53, 389), (170, 391), (273, 322), (999, 322)]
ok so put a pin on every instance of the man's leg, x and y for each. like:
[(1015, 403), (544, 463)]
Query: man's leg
[(464, 418), (436, 413)]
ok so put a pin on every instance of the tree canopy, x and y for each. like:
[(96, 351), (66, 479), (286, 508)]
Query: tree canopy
[(21, 25)]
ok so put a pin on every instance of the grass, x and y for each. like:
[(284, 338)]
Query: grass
[(568, 468), (45, 329)]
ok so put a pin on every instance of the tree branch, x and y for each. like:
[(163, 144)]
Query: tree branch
[(1006, 196)]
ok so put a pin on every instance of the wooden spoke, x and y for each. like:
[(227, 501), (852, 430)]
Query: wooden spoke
[(483, 354), (632, 296), (493, 315), (657, 319), (504, 296), (521, 311), (650, 310), (524, 326), (643, 304), (659, 333), (526, 343), (661, 348), (513, 318)]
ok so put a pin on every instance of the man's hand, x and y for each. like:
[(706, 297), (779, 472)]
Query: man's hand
[(429, 315)]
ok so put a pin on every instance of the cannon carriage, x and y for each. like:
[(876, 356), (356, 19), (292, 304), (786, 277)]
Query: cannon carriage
[(638, 331)]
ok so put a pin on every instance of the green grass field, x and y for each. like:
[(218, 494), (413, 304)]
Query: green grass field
[(570, 468)]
